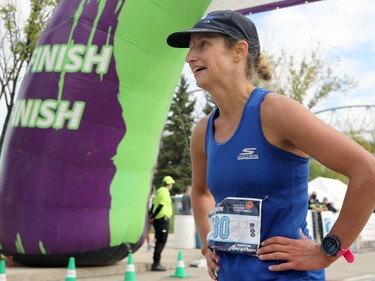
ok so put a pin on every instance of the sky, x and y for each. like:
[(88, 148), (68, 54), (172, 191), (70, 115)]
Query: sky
[(343, 28)]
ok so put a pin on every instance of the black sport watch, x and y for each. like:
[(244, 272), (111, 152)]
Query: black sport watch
[(331, 247)]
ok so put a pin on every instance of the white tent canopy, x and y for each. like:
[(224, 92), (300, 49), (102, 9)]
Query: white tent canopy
[(333, 189)]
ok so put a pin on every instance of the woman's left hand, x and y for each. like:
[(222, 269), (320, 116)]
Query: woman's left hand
[(298, 254)]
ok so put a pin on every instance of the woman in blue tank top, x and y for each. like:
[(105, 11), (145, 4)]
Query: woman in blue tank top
[(250, 161)]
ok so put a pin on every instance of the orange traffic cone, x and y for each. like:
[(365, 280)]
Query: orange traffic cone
[(180, 268)]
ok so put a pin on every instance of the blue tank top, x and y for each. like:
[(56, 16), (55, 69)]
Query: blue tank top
[(265, 172)]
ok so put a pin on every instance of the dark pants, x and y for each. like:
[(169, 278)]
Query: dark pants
[(161, 227)]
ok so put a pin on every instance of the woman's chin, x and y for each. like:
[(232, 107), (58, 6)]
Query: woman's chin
[(200, 83)]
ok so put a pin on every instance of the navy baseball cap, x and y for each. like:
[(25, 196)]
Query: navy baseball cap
[(227, 22)]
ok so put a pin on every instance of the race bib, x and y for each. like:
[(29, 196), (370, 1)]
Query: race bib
[(235, 226)]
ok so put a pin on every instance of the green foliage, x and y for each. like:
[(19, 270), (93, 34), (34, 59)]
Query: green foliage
[(174, 155), (308, 80), (18, 39), (41, 11)]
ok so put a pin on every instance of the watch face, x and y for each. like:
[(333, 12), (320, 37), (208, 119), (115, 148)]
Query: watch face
[(330, 245)]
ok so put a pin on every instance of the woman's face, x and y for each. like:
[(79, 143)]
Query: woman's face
[(209, 59)]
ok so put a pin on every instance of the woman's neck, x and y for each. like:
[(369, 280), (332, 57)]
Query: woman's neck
[(232, 99)]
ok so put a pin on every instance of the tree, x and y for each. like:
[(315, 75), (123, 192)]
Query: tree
[(308, 81), (174, 155), (18, 39), (209, 105)]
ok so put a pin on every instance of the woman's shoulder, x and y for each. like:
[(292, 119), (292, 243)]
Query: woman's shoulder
[(201, 126), (275, 98), (277, 106), (198, 136)]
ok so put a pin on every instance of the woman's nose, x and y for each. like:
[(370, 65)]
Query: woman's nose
[(190, 56)]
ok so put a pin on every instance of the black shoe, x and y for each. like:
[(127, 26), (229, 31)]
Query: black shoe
[(158, 267)]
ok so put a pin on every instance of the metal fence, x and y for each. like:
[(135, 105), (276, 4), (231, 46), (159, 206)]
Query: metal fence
[(322, 223)]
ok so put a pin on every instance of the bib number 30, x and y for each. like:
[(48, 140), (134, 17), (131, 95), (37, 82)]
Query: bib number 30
[(221, 227), (235, 225)]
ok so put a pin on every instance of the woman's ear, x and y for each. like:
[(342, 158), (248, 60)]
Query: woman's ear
[(241, 50)]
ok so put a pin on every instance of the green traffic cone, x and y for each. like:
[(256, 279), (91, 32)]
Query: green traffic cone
[(130, 269), (71, 272), (180, 268), (3, 276)]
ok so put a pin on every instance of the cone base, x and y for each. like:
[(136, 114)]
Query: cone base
[(130, 276), (179, 276)]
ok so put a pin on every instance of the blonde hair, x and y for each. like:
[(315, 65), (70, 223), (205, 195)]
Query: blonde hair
[(256, 67), (260, 67)]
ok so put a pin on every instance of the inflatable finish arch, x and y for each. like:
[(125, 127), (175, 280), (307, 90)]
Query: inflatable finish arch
[(84, 133)]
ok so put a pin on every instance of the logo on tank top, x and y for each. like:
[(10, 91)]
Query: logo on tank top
[(248, 154)]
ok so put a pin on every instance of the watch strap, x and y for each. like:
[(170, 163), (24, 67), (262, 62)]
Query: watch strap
[(347, 254)]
